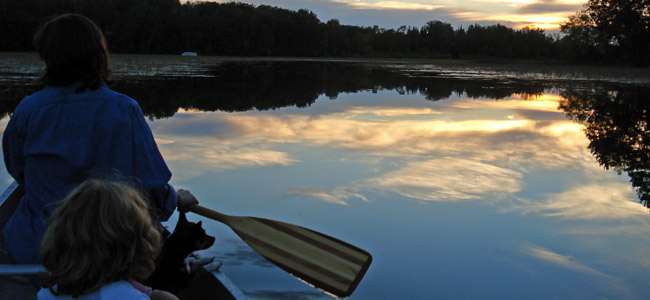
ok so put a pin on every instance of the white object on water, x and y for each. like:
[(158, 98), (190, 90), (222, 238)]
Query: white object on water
[(189, 54)]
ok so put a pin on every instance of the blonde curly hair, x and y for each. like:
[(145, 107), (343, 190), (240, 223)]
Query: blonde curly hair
[(102, 232)]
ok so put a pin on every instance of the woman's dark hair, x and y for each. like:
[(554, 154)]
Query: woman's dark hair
[(74, 50)]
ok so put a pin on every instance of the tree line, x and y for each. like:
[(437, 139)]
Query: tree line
[(239, 29), (244, 85)]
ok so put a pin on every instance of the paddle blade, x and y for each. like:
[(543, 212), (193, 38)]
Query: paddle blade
[(323, 261), (320, 260)]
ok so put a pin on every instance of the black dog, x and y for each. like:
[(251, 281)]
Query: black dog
[(173, 272)]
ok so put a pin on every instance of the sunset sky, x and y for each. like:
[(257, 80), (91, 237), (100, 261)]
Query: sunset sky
[(546, 14)]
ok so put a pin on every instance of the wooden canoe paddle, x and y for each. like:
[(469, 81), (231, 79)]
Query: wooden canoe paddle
[(322, 261)]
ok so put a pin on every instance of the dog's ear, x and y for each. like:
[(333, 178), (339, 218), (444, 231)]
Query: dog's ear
[(182, 221)]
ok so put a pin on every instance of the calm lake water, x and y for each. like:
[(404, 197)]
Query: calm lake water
[(465, 181)]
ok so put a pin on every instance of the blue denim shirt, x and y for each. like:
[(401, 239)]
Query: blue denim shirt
[(57, 138)]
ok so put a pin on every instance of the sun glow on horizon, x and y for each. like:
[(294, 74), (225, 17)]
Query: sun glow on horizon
[(522, 13)]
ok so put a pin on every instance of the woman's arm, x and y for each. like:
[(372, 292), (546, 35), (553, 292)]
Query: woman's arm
[(150, 168), (12, 146)]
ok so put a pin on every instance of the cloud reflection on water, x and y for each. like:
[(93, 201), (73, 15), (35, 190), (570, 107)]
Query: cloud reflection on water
[(592, 201), (209, 150), (482, 153), (561, 260), (520, 155), (604, 283), (336, 196), (449, 179)]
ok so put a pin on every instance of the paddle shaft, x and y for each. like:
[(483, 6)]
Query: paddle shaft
[(211, 214)]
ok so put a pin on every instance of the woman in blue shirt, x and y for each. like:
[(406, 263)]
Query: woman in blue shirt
[(74, 129)]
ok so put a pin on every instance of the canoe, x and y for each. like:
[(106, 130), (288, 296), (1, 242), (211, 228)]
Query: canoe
[(212, 284)]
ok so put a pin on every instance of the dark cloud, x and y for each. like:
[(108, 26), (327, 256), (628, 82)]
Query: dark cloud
[(546, 6), (389, 18), (350, 15)]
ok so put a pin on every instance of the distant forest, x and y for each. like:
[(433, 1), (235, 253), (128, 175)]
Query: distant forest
[(238, 29)]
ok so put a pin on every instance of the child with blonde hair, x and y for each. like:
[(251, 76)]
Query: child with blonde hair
[(100, 242)]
